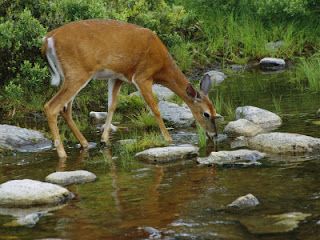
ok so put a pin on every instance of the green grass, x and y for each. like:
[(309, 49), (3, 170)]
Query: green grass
[(144, 119), (277, 103), (126, 152), (307, 73), (202, 138)]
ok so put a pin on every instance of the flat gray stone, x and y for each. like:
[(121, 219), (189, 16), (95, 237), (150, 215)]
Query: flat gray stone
[(168, 154), (241, 157), (274, 46), (272, 64), (71, 177), (280, 223), (264, 118), (26, 193), (242, 127), (277, 142), (98, 115), (246, 201), (22, 139), (176, 115)]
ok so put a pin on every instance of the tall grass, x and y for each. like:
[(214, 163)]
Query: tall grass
[(307, 73), (144, 119), (202, 138)]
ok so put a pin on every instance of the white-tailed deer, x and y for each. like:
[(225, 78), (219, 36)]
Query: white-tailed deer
[(118, 52)]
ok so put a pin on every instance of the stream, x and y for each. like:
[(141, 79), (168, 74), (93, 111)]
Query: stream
[(182, 200)]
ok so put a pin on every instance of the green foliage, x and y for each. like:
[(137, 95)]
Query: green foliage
[(144, 119), (202, 138), (130, 104), (307, 73)]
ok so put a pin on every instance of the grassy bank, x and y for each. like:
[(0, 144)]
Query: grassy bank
[(199, 34)]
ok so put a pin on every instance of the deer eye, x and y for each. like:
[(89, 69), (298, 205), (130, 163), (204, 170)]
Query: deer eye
[(206, 115)]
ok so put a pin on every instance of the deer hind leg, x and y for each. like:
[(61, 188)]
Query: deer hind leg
[(113, 91), (56, 105), (145, 89), (67, 115)]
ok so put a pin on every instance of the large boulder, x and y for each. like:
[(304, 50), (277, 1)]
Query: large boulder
[(71, 177), (277, 142), (241, 157), (242, 127), (168, 154), (176, 115), (272, 64), (22, 139), (27, 193), (271, 224), (264, 118)]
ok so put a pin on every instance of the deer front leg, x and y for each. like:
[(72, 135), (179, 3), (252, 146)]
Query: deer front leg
[(145, 89), (113, 91)]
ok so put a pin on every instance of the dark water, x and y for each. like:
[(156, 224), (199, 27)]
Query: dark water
[(133, 200)]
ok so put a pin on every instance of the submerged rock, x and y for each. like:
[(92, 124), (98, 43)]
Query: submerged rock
[(280, 223), (71, 177), (277, 142), (25, 221), (242, 127), (168, 154), (26, 193), (176, 115), (272, 64), (22, 139), (216, 77), (246, 201), (242, 157), (264, 118)]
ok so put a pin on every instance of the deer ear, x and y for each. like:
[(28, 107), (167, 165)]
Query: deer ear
[(191, 92), (205, 84)]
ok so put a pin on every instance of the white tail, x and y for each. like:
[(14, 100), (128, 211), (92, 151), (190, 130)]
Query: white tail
[(118, 52)]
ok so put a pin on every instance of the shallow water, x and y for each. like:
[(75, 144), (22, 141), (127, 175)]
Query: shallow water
[(133, 200)]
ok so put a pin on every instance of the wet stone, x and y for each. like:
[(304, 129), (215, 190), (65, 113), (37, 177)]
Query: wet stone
[(22, 139), (29, 220), (277, 142), (246, 201), (71, 177), (241, 157), (168, 154), (272, 64), (127, 141), (27, 193), (242, 127), (280, 223), (264, 118), (216, 77)]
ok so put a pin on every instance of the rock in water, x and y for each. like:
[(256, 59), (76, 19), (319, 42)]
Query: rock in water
[(216, 77), (241, 157), (176, 115), (26, 221), (26, 193), (168, 154), (71, 177), (22, 139), (280, 223), (242, 127), (246, 201), (264, 118), (277, 142), (272, 64)]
